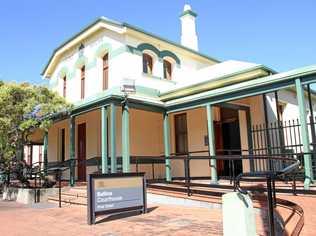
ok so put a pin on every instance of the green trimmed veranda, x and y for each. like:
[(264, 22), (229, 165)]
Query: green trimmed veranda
[(172, 102)]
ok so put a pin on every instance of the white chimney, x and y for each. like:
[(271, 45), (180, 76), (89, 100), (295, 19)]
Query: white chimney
[(188, 29)]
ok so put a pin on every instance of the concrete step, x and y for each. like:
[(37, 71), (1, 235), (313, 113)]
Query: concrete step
[(208, 192), (183, 195)]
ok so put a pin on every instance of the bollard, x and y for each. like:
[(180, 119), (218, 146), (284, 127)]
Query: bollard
[(238, 215)]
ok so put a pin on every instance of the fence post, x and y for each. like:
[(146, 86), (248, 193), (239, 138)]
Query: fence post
[(45, 152), (270, 207), (59, 187), (233, 172), (153, 169), (187, 173)]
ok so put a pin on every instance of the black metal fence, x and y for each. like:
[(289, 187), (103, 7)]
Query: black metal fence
[(281, 137)]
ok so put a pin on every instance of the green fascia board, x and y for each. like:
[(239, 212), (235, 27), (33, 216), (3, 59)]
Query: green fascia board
[(119, 24), (114, 95), (248, 88), (189, 12), (117, 101), (218, 79), (226, 97)]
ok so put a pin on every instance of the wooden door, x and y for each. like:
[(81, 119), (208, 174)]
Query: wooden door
[(219, 146), (181, 133), (81, 154)]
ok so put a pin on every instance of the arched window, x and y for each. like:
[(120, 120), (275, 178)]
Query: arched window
[(147, 64), (64, 86), (83, 77), (167, 69), (105, 69)]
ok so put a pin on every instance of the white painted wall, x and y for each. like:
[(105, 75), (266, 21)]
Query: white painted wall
[(291, 111), (122, 65)]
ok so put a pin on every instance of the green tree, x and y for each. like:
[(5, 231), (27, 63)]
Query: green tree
[(23, 109)]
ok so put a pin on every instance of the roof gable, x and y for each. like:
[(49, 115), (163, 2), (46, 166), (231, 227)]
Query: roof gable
[(105, 23)]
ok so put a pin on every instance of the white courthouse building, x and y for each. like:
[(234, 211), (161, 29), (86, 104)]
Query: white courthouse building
[(137, 95)]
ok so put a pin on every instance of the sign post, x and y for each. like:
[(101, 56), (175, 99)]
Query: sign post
[(115, 193)]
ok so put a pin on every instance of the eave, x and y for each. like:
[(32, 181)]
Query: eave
[(245, 89), (222, 81)]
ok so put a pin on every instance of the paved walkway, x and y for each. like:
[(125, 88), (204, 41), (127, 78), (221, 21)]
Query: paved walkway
[(46, 219), (308, 203)]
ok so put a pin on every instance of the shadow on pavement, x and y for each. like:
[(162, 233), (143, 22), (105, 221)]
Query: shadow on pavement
[(123, 215)]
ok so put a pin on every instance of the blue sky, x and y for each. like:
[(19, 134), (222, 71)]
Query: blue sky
[(280, 34)]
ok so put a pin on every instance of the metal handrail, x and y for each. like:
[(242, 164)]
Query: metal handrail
[(266, 174), (270, 179)]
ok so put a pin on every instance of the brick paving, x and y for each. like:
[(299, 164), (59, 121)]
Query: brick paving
[(308, 203), (18, 219), (47, 219)]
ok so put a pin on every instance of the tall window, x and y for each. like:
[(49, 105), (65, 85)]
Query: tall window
[(147, 64), (105, 71), (167, 69), (83, 76), (181, 133), (63, 145), (64, 86)]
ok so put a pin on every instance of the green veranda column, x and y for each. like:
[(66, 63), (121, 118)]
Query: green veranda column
[(125, 139), (104, 139), (45, 153), (304, 133), (72, 127), (166, 138), (113, 137), (211, 141)]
